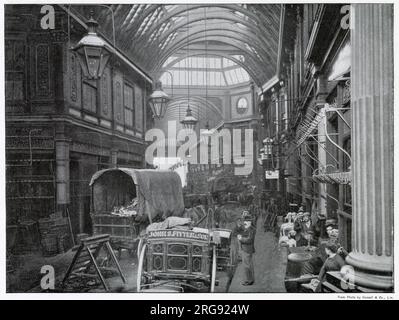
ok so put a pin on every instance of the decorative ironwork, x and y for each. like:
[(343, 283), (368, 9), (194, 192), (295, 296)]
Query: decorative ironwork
[(23, 142), (333, 178), (347, 92), (42, 70), (306, 128)]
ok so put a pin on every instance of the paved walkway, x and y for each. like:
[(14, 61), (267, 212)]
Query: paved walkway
[(269, 264)]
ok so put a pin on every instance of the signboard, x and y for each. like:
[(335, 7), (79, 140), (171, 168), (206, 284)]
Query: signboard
[(271, 174), (178, 234)]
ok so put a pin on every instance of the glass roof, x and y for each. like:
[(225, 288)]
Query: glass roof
[(203, 71), (151, 34)]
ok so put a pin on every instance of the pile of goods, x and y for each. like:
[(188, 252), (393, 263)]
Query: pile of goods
[(54, 234), (171, 223), (128, 210)]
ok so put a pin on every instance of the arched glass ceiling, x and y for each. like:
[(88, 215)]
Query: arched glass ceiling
[(203, 71), (151, 33), (203, 110)]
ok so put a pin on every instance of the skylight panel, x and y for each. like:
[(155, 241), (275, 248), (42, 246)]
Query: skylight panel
[(228, 77), (201, 78), (170, 7)]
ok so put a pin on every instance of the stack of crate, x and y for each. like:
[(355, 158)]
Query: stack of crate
[(54, 234)]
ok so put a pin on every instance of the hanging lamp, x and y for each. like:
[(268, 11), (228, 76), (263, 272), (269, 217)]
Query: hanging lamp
[(92, 51), (158, 101), (189, 122)]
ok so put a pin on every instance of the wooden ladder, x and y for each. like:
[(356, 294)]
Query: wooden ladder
[(86, 256)]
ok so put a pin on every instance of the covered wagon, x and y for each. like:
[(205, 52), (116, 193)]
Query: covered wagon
[(124, 201)]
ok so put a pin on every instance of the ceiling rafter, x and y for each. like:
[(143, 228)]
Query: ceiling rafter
[(216, 30), (184, 9), (262, 40), (223, 38)]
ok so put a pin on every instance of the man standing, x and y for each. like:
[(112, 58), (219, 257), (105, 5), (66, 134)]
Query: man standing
[(247, 240)]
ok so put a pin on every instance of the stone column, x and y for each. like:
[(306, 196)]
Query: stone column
[(372, 145), (62, 171)]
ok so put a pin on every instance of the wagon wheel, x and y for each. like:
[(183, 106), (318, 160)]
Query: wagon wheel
[(141, 267), (213, 271)]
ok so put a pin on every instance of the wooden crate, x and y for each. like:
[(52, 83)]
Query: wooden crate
[(123, 231)]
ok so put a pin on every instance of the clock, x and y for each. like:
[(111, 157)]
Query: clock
[(242, 105)]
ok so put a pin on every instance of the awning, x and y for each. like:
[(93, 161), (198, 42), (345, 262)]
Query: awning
[(334, 178)]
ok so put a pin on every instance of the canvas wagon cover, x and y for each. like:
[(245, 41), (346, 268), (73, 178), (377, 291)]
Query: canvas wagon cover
[(159, 192)]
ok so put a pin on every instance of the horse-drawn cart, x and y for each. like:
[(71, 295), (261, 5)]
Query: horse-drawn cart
[(177, 260), (125, 201)]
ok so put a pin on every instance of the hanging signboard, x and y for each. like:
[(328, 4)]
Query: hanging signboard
[(271, 174)]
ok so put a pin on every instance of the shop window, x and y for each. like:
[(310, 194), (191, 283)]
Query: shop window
[(90, 96), (15, 70), (128, 105), (138, 115)]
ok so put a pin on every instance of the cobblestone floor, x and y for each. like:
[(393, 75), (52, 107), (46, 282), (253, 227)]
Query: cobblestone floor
[(269, 264)]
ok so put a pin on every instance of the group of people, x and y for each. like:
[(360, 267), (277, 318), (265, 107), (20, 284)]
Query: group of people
[(331, 259), (299, 230)]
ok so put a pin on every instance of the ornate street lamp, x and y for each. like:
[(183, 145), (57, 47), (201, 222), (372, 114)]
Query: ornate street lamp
[(189, 121), (93, 52), (158, 101)]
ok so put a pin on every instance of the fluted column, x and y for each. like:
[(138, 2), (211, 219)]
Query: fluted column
[(372, 144)]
